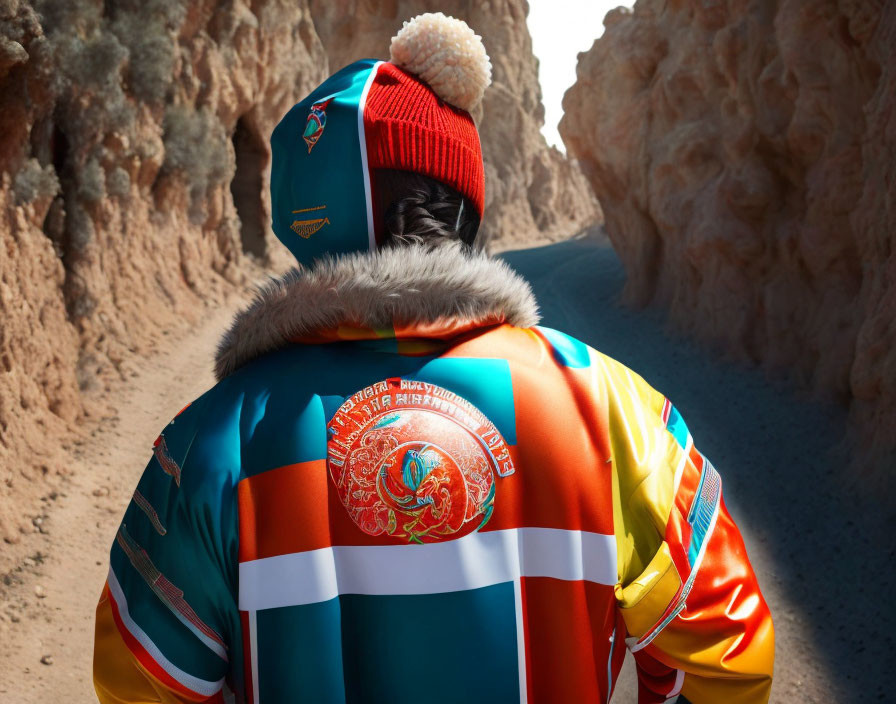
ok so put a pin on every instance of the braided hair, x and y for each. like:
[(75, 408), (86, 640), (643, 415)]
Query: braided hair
[(417, 209)]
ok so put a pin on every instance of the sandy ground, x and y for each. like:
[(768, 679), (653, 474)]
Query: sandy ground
[(46, 635), (819, 548)]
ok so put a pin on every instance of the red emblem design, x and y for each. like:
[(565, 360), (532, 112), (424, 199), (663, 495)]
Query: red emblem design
[(415, 461)]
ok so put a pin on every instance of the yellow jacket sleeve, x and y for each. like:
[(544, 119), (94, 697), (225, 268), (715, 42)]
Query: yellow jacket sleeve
[(118, 676), (696, 620)]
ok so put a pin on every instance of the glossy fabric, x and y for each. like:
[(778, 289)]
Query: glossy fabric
[(320, 182), (239, 566)]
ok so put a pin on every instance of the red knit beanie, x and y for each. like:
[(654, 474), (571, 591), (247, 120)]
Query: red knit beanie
[(416, 116)]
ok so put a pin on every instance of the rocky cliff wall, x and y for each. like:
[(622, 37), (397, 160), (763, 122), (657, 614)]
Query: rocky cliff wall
[(133, 182), (123, 125), (743, 154)]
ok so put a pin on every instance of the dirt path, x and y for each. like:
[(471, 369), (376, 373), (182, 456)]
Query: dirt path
[(49, 600), (814, 544)]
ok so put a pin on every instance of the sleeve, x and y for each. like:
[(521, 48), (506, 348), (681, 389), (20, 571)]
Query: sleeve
[(696, 621), (167, 615)]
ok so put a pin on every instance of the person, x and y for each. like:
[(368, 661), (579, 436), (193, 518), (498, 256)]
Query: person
[(402, 488)]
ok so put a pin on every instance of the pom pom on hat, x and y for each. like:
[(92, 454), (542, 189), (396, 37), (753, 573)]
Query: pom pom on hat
[(447, 54)]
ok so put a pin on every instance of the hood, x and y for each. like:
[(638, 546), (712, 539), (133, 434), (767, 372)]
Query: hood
[(404, 291)]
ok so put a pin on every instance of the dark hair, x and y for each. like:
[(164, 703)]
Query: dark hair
[(411, 207)]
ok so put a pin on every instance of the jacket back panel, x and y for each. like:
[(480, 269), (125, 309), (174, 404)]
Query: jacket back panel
[(403, 571)]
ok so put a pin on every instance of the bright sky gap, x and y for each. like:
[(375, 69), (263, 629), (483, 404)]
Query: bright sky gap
[(560, 29)]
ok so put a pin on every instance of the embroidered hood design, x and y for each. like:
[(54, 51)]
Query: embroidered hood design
[(413, 286)]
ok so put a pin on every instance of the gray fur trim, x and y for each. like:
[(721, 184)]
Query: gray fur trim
[(412, 285)]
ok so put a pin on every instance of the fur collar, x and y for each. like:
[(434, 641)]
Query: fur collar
[(412, 285)]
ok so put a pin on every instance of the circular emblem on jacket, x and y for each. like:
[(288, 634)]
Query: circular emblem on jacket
[(415, 461)]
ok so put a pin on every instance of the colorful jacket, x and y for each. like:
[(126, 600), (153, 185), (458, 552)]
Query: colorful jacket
[(402, 490)]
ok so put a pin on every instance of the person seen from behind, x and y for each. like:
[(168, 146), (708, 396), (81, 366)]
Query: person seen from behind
[(402, 488)]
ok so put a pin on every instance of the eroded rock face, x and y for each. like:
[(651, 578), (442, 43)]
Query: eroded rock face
[(134, 181), (121, 129), (743, 154), (38, 345), (532, 191), (873, 371)]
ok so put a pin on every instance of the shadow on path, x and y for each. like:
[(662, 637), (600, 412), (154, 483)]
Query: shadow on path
[(824, 560)]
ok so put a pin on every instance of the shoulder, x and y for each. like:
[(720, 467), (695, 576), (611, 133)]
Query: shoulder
[(190, 450), (533, 346), (266, 414), (623, 386), (567, 350), (201, 448)]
